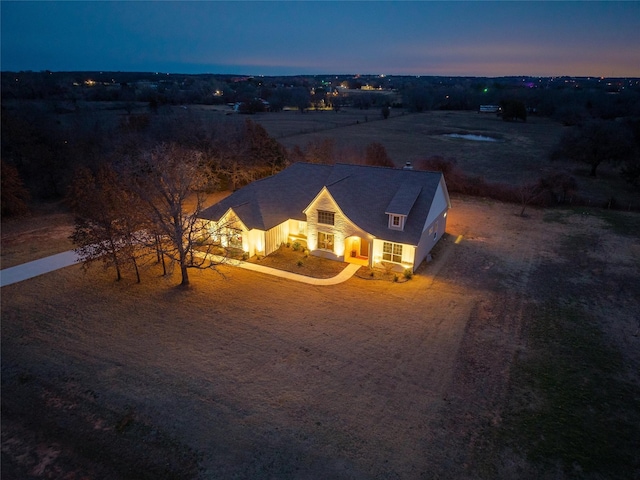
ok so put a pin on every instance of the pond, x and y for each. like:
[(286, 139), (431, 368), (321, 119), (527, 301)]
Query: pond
[(469, 136)]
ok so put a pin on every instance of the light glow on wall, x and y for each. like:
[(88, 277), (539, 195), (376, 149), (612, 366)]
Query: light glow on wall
[(338, 246)]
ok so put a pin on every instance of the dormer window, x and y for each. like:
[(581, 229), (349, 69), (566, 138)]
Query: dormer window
[(396, 222)]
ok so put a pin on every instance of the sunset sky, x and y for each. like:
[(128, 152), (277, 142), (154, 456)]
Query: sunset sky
[(479, 38)]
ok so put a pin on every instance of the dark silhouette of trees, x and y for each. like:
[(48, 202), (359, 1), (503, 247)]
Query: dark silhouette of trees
[(301, 98), (559, 186), (14, 196), (39, 148), (376, 154), (264, 150), (513, 110), (318, 98), (321, 150), (596, 142), (418, 99), (631, 165), (279, 98)]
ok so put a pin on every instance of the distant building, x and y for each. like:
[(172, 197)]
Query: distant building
[(490, 109)]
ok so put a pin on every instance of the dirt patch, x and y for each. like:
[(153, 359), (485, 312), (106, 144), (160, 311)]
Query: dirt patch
[(301, 262), (254, 376)]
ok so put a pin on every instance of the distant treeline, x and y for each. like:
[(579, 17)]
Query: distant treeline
[(49, 132), (568, 99)]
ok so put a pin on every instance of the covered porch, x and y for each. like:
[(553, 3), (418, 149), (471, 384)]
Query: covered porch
[(357, 251)]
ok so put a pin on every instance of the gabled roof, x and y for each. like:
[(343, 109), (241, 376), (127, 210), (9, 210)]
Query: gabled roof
[(270, 201), (365, 195)]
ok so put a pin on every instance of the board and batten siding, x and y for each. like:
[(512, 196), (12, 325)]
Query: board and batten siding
[(276, 236)]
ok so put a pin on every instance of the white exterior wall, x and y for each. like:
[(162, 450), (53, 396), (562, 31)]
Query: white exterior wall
[(428, 240), (341, 229), (275, 236), (436, 223), (408, 253), (297, 228), (253, 242), (439, 204), (228, 223)]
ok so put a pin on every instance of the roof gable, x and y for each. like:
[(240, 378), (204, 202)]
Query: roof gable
[(270, 201), (365, 195)]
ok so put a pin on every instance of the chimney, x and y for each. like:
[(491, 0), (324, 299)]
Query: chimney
[(407, 166)]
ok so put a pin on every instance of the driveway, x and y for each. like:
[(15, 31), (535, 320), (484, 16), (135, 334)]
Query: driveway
[(41, 266)]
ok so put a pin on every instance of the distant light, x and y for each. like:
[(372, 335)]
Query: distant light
[(486, 90)]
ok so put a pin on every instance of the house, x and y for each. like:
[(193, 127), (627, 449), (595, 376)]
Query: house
[(351, 213)]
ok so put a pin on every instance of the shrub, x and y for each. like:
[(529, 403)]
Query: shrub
[(245, 256), (296, 246), (408, 273), (388, 267), (395, 278), (300, 263)]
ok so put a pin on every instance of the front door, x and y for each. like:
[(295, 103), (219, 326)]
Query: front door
[(364, 248)]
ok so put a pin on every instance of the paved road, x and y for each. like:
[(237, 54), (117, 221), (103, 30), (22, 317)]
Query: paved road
[(37, 267), (54, 262)]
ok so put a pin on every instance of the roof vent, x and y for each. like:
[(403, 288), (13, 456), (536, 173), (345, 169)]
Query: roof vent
[(407, 166)]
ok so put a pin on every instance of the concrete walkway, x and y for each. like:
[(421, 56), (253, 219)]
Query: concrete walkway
[(343, 276), (37, 267), (41, 266)]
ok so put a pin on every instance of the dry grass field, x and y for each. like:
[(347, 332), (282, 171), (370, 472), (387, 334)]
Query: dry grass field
[(514, 354), (521, 153)]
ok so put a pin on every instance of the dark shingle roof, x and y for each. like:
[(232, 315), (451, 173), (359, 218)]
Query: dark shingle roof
[(403, 200), (270, 201), (365, 195)]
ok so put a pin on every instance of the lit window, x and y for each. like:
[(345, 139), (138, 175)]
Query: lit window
[(392, 252), (396, 222), (326, 218), (325, 241)]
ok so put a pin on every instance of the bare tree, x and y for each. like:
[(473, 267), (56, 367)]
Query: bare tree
[(169, 181), (376, 154), (108, 225), (13, 193), (264, 150), (230, 151), (527, 193), (596, 142), (320, 150)]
